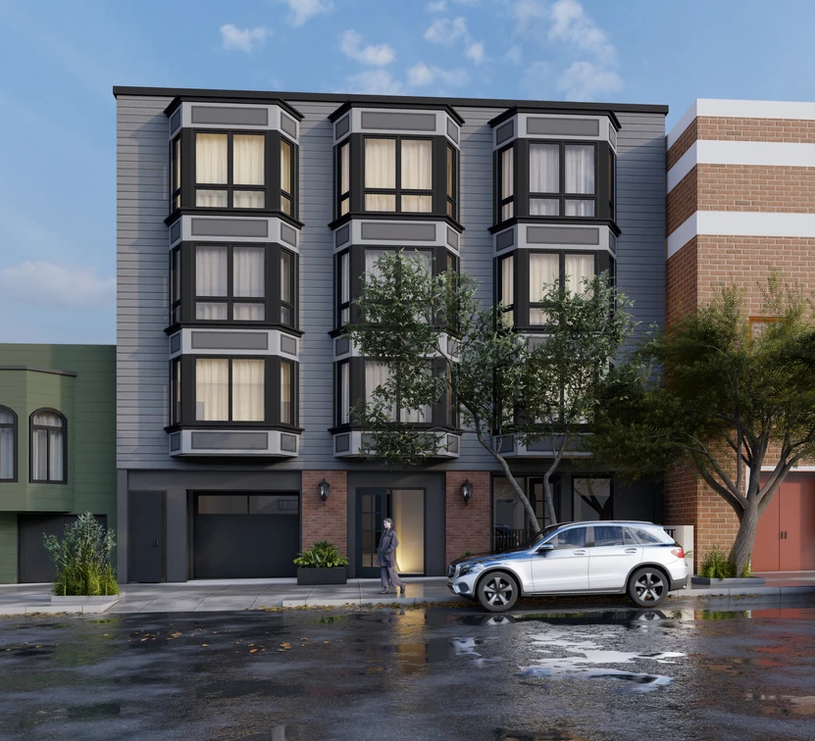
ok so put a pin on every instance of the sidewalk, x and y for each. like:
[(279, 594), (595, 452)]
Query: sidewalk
[(253, 594)]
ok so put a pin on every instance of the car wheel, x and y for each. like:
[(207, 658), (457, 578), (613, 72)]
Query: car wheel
[(497, 591), (647, 587)]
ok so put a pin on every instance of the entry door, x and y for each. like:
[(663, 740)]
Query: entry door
[(538, 500), (372, 509), (147, 528), (785, 539)]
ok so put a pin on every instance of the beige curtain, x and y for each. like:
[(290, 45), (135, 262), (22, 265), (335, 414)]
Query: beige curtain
[(210, 271), (417, 204), (507, 281), (578, 268), (377, 374), (507, 170), (248, 312), (285, 167), (579, 168), (417, 164), (380, 163), (544, 168), (248, 272), (380, 202), (544, 270), (248, 159), (247, 390), (286, 405), (210, 158), (345, 171), (211, 389)]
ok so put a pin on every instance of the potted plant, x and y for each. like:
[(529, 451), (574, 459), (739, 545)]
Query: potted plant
[(321, 564)]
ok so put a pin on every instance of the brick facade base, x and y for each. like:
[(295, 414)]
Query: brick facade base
[(468, 525), (327, 521)]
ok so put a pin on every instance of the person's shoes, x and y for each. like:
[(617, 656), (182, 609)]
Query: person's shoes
[(404, 589), (384, 591)]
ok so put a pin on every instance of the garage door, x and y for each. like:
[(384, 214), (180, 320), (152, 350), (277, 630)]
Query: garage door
[(245, 536), (35, 564)]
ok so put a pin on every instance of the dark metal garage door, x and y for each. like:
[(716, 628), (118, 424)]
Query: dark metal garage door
[(244, 536), (34, 563)]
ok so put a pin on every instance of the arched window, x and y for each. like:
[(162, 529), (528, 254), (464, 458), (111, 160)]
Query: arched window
[(8, 445), (48, 447)]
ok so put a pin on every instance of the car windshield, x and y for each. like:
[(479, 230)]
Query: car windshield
[(532, 539)]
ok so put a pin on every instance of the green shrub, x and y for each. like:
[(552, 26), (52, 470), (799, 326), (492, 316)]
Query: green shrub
[(82, 559), (715, 565), (322, 555)]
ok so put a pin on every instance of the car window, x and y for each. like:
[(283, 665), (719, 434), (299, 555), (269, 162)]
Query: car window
[(608, 535), (646, 537), (573, 538)]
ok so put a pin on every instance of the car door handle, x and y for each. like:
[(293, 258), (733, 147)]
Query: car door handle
[(580, 553), (631, 550)]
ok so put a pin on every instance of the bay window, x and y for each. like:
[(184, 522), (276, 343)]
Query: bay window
[(506, 189), (566, 269), (452, 183), (398, 175), (507, 288), (229, 390), (286, 392), (378, 374), (562, 179)]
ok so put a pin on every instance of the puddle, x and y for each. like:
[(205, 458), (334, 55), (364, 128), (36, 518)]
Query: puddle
[(549, 735), (95, 712), (638, 682), (791, 704)]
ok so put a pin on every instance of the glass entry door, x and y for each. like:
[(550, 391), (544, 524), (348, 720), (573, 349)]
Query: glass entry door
[(406, 507)]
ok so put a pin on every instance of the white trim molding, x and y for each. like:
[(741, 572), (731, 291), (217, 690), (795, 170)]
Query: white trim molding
[(741, 224)]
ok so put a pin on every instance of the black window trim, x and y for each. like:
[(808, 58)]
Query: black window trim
[(14, 443), (562, 196), (64, 429), (500, 202), (399, 191)]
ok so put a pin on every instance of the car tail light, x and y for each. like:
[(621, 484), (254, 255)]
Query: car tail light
[(678, 552)]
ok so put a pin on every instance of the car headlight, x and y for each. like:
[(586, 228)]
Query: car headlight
[(472, 568)]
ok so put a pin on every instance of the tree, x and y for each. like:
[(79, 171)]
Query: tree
[(730, 398), (437, 340)]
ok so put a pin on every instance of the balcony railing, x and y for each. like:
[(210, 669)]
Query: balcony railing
[(505, 538)]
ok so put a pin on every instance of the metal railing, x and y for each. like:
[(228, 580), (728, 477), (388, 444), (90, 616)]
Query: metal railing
[(506, 538)]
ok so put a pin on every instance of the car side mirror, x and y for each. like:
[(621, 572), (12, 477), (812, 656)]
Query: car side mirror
[(545, 547)]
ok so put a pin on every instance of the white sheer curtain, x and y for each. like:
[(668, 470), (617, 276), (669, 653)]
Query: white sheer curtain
[(579, 207), (211, 389), (56, 462), (380, 163), (210, 159), (578, 267), (345, 168), (247, 390), (285, 167), (417, 164), (417, 415), (47, 446), (39, 455), (248, 159), (248, 312), (507, 169), (377, 374), (286, 408), (6, 444), (579, 168), (248, 199), (544, 168), (417, 204), (508, 281), (248, 272), (544, 270), (345, 394), (210, 271), (211, 311), (371, 256)]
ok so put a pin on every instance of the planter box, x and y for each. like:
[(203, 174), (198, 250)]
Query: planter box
[(750, 581), (79, 599), (311, 577)]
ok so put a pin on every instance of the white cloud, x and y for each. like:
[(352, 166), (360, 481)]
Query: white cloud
[(447, 31), (585, 81), (351, 45), (374, 82), (44, 283), (513, 54), (301, 11), (421, 75), (243, 39), (527, 14), (571, 24), (475, 51), (440, 6)]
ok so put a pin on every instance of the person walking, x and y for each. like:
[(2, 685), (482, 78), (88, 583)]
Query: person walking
[(386, 558)]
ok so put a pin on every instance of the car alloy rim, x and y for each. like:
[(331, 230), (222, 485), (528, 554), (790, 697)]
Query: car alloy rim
[(498, 591), (650, 587)]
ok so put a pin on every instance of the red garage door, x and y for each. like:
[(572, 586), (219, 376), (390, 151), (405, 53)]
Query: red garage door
[(785, 540)]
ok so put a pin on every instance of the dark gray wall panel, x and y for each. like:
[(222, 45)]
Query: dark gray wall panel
[(288, 344), (175, 232), (563, 126), (562, 235), (229, 227), (382, 230), (399, 121), (452, 238), (229, 116), (288, 235), (343, 126), (505, 132), (342, 235), (505, 239), (288, 125), (229, 440), (452, 131), (229, 340)]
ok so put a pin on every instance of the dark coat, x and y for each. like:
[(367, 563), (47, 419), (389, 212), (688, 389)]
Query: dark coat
[(385, 554)]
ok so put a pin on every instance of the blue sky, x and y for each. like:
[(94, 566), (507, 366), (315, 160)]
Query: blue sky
[(59, 61)]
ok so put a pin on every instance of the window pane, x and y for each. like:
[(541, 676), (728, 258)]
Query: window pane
[(507, 281), (176, 164), (248, 312), (286, 204), (544, 168), (579, 168), (605, 535), (211, 311), (451, 163), (507, 211), (175, 278), (379, 202), (39, 455), (286, 393), (345, 205), (286, 316), (413, 204), (345, 176), (544, 206), (345, 279), (210, 158), (249, 161), (544, 270), (451, 209), (371, 258), (592, 499), (248, 272), (6, 451), (376, 374), (285, 277), (579, 208), (417, 164), (507, 169), (210, 271), (578, 268), (223, 504), (573, 538), (211, 389), (55, 455), (380, 163), (249, 199), (47, 419), (247, 390), (176, 400), (261, 504), (210, 198), (286, 167), (345, 394)]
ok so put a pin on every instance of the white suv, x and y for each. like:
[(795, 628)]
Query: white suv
[(610, 557)]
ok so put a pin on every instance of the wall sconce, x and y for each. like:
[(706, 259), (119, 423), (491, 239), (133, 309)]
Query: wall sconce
[(325, 489), (467, 491)]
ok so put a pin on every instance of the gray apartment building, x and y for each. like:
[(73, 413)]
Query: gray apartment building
[(245, 222)]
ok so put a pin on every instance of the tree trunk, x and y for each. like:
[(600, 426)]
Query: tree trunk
[(549, 500), (745, 539)]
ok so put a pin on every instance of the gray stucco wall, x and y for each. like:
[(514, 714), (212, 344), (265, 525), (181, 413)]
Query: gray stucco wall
[(142, 268)]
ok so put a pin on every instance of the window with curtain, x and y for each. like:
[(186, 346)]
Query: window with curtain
[(544, 270), (544, 179), (344, 179), (506, 204), (376, 375), (579, 268), (398, 175), (175, 174), (175, 286), (230, 390), (286, 288), (344, 288), (175, 391), (507, 288), (452, 183), (580, 179), (286, 177), (8, 445), (562, 179), (286, 393), (230, 283), (344, 395), (48, 447)]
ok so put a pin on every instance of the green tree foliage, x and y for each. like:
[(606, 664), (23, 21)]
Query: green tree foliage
[(729, 399), (82, 558), (438, 340)]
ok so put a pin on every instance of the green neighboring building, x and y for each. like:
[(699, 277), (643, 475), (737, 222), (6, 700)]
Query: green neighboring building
[(57, 448)]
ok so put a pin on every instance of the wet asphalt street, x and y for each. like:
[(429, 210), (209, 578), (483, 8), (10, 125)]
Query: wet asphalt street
[(593, 670)]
